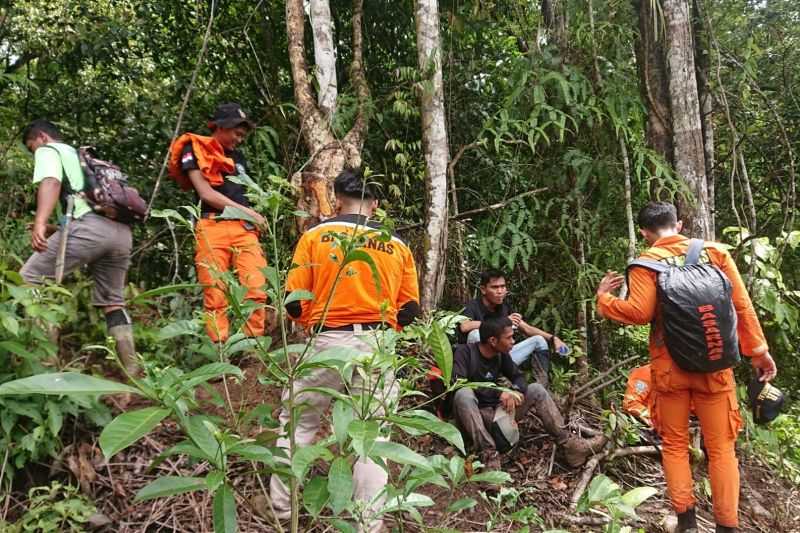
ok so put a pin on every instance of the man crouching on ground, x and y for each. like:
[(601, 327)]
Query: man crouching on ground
[(479, 412)]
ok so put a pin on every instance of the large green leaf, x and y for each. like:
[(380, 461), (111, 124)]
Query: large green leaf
[(315, 495), (361, 255), (635, 497), (128, 428), (342, 416), (299, 294), (169, 486), (442, 352), (428, 422), (601, 489), (225, 510), (236, 213), (64, 383), (161, 291), (340, 485), (363, 434), (178, 328), (304, 457), (399, 453), (495, 477), (204, 439)]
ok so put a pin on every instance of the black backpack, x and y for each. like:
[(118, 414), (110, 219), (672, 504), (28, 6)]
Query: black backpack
[(697, 312)]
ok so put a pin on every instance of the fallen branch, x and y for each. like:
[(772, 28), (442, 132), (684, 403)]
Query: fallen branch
[(467, 214), (602, 375), (608, 454), (602, 386)]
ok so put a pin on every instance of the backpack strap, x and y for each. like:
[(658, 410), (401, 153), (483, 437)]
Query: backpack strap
[(656, 266), (694, 251)]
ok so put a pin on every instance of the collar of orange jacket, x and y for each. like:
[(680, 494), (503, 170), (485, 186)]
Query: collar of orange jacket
[(210, 156), (669, 241)]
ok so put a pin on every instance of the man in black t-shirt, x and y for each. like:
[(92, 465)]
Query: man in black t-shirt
[(492, 303), (476, 410), (208, 165)]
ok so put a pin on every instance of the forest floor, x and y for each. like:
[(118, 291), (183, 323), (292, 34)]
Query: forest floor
[(541, 482)]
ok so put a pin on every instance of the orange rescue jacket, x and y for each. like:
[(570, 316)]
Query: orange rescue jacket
[(640, 306), (210, 158)]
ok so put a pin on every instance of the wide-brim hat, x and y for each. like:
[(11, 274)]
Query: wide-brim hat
[(230, 115)]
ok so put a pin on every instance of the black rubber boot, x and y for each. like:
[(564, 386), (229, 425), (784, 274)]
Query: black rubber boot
[(726, 529), (687, 522)]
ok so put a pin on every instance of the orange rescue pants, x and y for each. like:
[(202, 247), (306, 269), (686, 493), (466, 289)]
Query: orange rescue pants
[(713, 397), (220, 245)]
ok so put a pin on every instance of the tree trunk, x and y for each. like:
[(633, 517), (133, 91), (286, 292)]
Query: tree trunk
[(651, 63), (703, 54), (687, 130), (328, 155), (324, 56), (434, 139)]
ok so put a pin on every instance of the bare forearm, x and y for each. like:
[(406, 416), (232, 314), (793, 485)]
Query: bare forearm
[(531, 331), (46, 200), (469, 325)]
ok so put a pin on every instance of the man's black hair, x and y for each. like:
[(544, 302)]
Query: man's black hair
[(38, 126), (657, 215), (493, 327), (350, 183), (489, 275)]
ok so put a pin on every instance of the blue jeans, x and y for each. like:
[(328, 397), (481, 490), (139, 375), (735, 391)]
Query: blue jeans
[(521, 351)]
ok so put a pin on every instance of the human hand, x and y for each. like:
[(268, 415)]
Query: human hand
[(516, 319), (610, 282), (559, 346), (510, 401), (765, 367), (39, 237)]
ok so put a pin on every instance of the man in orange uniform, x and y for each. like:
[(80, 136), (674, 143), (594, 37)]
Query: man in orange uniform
[(638, 400), (206, 165), (713, 395), (346, 306)]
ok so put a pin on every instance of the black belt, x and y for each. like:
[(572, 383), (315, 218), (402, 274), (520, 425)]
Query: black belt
[(209, 215), (351, 327)]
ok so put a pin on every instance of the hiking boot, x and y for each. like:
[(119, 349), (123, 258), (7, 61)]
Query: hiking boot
[(126, 348), (687, 522), (726, 529), (578, 450), (490, 459)]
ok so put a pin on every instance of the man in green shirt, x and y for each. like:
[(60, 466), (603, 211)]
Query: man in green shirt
[(102, 244)]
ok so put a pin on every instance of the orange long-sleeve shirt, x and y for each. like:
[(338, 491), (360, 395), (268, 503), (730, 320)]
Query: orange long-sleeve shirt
[(356, 299), (637, 400), (640, 306)]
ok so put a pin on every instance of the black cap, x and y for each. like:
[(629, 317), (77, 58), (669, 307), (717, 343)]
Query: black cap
[(230, 115), (351, 183), (766, 401)]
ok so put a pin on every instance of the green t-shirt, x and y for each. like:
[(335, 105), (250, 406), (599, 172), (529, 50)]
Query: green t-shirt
[(48, 164)]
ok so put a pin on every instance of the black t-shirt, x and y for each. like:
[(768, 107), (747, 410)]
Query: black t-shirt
[(232, 190), (475, 310), (469, 364)]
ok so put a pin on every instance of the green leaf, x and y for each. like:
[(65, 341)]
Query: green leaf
[(405, 503), (236, 213), (299, 294), (461, 504), (225, 510), (61, 383), (442, 352), (494, 477), (304, 457), (601, 489), (128, 428), (204, 439), (428, 422), (340, 485), (207, 372), (55, 418), (169, 486), (635, 497), (161, 291), (361, 255), (178, 328), (315, 495), (342, 416), (214, 480), (399, 453), (363, 433), (254, 452), (10, 323)]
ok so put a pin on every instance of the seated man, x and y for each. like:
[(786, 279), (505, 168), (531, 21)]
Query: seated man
[(492, 304), (477, 410)]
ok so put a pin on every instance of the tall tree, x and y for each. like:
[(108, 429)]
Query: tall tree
[(668, 74), (437, 153), (328, 154)]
